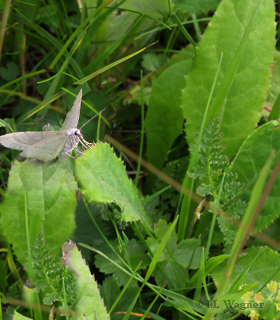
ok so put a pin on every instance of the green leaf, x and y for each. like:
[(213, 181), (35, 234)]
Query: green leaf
[(45, 192), (132, 250), (48, 274), (157, 8), (275, 82), (18, 316), (10, 72), (135, 96), (152, 61), (86, 231), (103, 179), (164, 120), (247, 41), (195, 6), (248, 164), (89, 302), (204, 190), (211, 160), (175, 258)]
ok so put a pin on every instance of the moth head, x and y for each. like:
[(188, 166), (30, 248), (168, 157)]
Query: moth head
[(77, 132), (74, 132)]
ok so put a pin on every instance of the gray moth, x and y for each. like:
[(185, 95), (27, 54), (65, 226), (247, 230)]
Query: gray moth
[(46, 145)]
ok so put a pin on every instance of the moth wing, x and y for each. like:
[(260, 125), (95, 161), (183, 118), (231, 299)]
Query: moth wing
[(72, 117), (47, 149), (23, 140)]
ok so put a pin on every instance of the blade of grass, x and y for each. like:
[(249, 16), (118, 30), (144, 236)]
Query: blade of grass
[(275, 112), (96, 62), (151, 305), (158, 193), (94, 14), (160, 249), (65, 299), (142, 130), (196, 26), (111, 65), (55, 83), (4, 21), (37, 312), (152, 30), (201, 279), (125, 287), (217, 203), (183, 30), (48, 40), (39, 107)]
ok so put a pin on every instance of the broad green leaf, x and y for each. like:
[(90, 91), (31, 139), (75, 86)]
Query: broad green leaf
[(275, 81), (248, 164), (175, 258), (273, 98), (46, 193), (10, 72), (195, 6), (135, 96), (103, 179), (164, 120), (263, 270), (18, 316), (86, 231), (244, 31), (133, 251), (89, 302), (152, 61), (157, 8)]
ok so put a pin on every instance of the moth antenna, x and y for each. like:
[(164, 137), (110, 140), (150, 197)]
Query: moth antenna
[(91, 118)]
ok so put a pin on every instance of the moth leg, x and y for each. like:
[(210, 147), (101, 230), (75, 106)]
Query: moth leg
[(77, 150), (85, 144), (69, 155)]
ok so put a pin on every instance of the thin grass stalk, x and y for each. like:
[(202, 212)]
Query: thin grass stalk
[(3, 24), (142, 130), (37, 312)]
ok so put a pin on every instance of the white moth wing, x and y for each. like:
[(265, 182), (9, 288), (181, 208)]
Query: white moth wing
[(72, 117), (23, 140), (47, 149)]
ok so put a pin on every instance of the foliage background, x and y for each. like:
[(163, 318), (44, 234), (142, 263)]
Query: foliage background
[(152, 66)]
